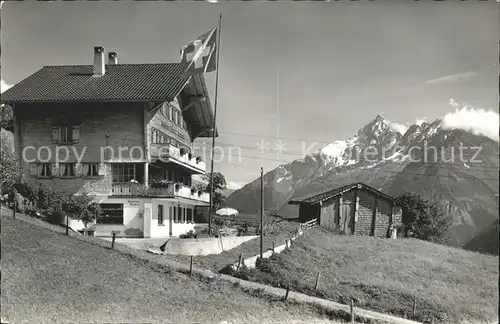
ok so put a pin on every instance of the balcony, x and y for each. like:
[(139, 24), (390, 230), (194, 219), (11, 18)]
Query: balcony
[(170, 153), (169, 190)]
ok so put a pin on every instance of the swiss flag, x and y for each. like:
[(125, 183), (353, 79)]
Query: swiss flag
[(199, 56)]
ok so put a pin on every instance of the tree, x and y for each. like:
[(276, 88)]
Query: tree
[(6, 117), (82, 207), (219, 183), (426, 219), (10, 170)]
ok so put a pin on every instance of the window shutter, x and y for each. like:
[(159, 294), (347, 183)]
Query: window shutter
[(79, 170), (76, 134), (55, 169), (102, 169), (33, 169), (55, 134)]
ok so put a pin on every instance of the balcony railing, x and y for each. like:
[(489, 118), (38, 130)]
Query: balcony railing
[(169, 190), (170, 153)]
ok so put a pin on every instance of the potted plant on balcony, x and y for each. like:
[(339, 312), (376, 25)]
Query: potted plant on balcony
[(160, 184), (178, 185), (199, 193), (190, 155), (198, 159), (193, 190), (183, 151)]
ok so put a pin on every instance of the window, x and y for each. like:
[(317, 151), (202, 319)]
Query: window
[(67, 169), (176, 220), (111, 214), (123, 172), (160, 214), (201, 214), (90, 169), (65, 134), (176, 116), (158, 137), (183, 215), (189, 215), (45, 170)]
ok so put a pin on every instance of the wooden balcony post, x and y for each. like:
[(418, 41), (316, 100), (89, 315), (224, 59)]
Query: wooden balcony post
[(146, 174)]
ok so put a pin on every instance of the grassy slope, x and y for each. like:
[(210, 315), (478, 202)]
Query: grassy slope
[(50, 278), (383, 275)]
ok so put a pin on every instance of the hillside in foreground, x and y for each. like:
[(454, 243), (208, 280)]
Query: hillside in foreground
[(50, 278), (451, 285)]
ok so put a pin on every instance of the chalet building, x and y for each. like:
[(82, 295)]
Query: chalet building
[(354, 209), (123, 132)]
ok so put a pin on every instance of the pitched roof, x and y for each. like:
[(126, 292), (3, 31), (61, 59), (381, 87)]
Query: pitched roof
[(121, 82), (329, 193), (155, 82)]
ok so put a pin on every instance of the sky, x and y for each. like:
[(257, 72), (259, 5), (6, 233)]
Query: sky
[(293, 77)]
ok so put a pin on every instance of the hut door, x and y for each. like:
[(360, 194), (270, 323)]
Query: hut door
[(328, 215), (346, 217)]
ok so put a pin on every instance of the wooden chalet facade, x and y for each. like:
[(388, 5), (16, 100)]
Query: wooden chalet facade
[(123, 132), (354, 209)]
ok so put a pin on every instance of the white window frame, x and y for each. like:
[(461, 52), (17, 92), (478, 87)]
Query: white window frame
[(88, 168), (66, 168), (65, 134), (45, 170), (123, 171), (119, 209)]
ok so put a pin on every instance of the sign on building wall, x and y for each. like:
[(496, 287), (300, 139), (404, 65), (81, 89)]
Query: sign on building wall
[(134, 202)]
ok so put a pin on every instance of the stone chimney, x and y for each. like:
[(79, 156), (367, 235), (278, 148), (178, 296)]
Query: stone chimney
[(112, 58), (99, 68)]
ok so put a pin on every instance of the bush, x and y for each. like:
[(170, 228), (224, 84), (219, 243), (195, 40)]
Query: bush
[(188, 235), (218, 221), (30, 210), (426, 219), (55, 216), (44, 197), (243, 229)]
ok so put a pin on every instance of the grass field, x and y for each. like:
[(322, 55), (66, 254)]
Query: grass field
[(50, 278), (451, 285)]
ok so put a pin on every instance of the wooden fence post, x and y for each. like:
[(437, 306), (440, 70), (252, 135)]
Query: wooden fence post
[(273, 248), (67, 226), (317, 281), (113, 241), (191, 266), (352, 311), (240, 262), (414, 305), (14, 209), (287, 291)]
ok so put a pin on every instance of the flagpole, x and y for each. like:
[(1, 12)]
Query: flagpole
[(214, 127)]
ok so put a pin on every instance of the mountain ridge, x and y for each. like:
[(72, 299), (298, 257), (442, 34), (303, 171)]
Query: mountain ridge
[(426, 158)]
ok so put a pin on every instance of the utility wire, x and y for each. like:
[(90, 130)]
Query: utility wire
[(295, 153)]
